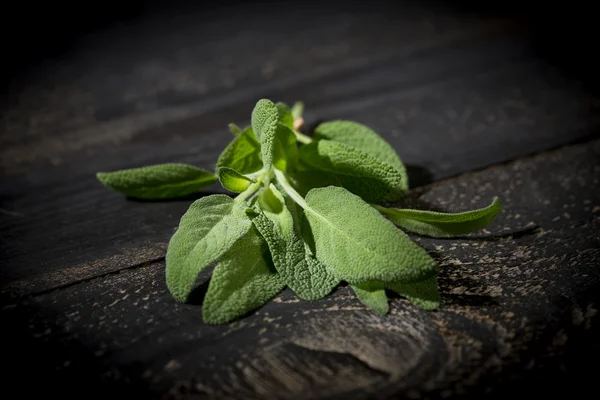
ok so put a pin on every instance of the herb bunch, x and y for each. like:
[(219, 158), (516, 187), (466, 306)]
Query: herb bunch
[(307, 215)]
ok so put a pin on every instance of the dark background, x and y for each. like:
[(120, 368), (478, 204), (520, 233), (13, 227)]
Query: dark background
[(565, 32)]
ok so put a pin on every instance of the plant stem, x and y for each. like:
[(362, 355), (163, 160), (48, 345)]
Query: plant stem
[(285, 184), (248, 192), (302, 138)]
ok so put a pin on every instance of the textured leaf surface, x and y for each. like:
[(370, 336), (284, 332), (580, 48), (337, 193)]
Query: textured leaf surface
[(358, 243), (372, 295), (242, 154), (233, 180), (363, 138), (242, 281), (160, 181), (285, 115), (300, 270), (437, 224), (264, 124), (206, 231), (359, 172), (424, 293)]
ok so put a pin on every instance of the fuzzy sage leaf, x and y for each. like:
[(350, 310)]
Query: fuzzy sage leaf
[(357, 171), (243, 280), (437, 224), (372, 295), (206, 231), (242, 154), (365, 139), (365, 249), (162, 181)]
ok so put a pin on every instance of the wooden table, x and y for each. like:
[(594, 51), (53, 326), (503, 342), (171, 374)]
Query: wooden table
[(473, 105)]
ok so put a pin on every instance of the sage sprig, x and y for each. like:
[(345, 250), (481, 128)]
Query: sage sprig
[(304, 213)]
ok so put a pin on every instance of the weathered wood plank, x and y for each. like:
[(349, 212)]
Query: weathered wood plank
[(483, 114), (519, 308)]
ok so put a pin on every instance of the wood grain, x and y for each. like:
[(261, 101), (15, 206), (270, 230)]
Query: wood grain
[(455, 94), (519, 307)]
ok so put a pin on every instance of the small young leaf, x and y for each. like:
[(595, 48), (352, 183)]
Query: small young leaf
[(242, 281), (436, 224), (264, 124), (360, 173), (372, 295), (242, 154), (206, 231), (364, 138), (160, 181), (297, 110), (233, 180), (358, 244), (285, 115), (303, 273), (423, 293), (233, 128)]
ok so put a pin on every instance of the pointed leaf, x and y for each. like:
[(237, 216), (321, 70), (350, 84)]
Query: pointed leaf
[(363, 138), (160, 181), (242, 154), (423, 294), (358, 244), (437, 224), (206, 231), (242, 281), (372, 295), (264, 124), (232, 180), (360, 173)]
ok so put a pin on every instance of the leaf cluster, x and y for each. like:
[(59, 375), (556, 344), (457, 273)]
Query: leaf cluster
[(307, 215)]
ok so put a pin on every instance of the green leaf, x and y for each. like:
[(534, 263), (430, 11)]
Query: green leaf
[(206, 231), (360, 173), (297, 110), (160, 181), (285, 115), (233, 180), (285, 151), (358, 244), (437, 224), (264, 124), (233, 128), (242, 281), (242, 154), (300, 270), (305, 180), (363, 138), (372, 295), (423, 294)]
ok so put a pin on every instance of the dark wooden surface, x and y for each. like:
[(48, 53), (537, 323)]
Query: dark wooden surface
[(472, 105)]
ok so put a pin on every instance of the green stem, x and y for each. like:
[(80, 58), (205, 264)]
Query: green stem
[(302, 138), (381, 209), (248, 192), (285, 184)]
